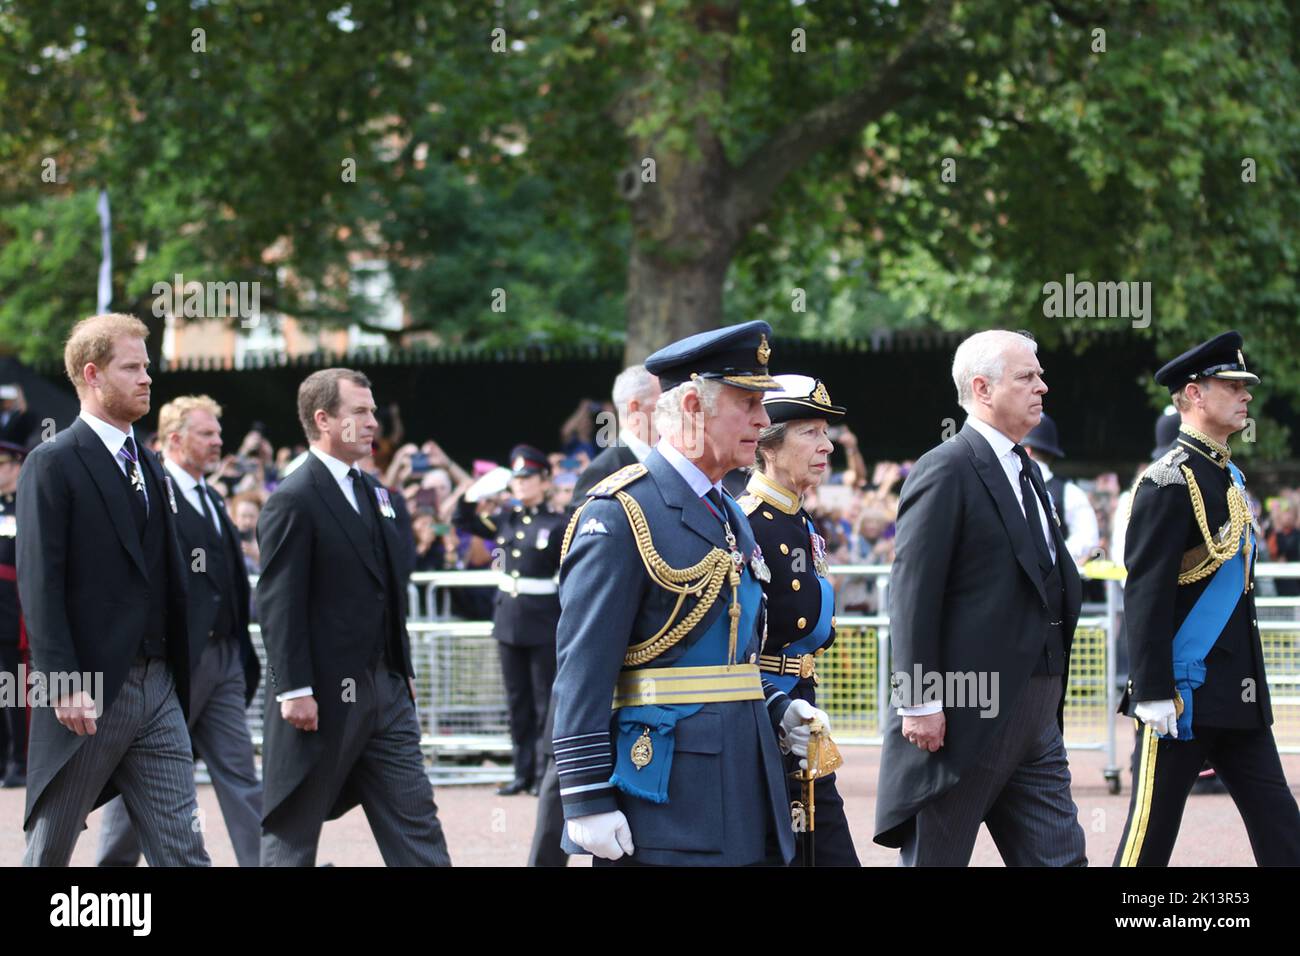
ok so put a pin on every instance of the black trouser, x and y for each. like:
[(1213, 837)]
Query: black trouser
[(1247, 762), (528, 674), (549, 827), (13, 720), (832, 841)]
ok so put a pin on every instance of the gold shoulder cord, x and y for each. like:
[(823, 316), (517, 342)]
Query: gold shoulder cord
[(568, 532), (703, 580), (1217, 553)]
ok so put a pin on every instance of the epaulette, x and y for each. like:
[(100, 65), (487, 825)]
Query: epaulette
[(607, 487), (618, 480), (1167, 470), (748, 504)]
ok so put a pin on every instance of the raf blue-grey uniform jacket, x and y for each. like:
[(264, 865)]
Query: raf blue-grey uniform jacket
[(728, 804)]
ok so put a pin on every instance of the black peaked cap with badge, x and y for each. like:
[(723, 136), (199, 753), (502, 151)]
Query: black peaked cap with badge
[(1220, 357), (736, 355), (526, 460), (800, 397)]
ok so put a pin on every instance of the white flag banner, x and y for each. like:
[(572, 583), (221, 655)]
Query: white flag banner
[(105, 295)]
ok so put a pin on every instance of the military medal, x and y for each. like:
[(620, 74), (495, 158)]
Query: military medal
[(819, 554), (543, 538), (1051, 500), (759, 566), (137, 479), (385, 504), (171, 493), (642, 751)]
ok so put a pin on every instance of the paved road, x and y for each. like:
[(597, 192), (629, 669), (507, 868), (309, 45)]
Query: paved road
[(486, 830)]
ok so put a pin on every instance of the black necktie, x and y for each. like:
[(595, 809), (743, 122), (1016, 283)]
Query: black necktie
[(205, 508), (714, 496), (363, 504), (1029, 495)]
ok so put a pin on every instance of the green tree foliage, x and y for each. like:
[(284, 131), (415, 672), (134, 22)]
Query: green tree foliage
[(900, 165)]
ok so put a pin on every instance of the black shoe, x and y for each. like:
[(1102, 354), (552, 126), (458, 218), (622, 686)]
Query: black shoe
[(14, 779), (513, 787), (535, 788)]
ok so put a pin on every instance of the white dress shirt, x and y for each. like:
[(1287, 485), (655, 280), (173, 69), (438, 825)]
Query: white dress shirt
[(114, 438), (193, 488), (697, 479), (339, 472), (639, 448), (1010, 462), (1003, 449)]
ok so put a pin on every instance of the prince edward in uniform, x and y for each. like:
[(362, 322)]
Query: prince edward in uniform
[(661, 604), (1198, 682)]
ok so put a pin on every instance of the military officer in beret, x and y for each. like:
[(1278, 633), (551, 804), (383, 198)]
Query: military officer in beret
[(526, 547), (1197, 669), (13, 720), (793, 455), (661, 597)]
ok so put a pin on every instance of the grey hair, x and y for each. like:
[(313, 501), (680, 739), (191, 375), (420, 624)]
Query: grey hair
[(984, 354), (769, 439), (668, 410), (634, 382)]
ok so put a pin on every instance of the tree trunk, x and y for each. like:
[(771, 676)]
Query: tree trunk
[(683, 234), (674, 286), (687, 225)]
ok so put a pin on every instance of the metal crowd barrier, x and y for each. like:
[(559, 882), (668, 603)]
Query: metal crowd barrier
[(461, 700)]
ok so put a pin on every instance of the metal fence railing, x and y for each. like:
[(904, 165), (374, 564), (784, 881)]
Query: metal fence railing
[(462, 706)]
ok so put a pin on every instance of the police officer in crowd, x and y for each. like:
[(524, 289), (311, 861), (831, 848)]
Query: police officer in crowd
[(1197, 677), (526, 537), (793, 458)]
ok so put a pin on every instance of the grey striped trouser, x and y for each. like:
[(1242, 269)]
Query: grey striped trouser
[(142, 745)]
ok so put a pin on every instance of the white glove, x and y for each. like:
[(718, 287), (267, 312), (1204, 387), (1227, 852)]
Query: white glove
[(606, 835), (795, 729), (1160, 715), (493, 483)]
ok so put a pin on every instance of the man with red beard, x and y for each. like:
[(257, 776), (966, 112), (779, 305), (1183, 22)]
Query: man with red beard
[(101, 579)]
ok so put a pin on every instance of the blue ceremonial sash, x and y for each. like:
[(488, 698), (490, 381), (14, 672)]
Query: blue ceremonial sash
[(1207, 619), (651, 781)]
